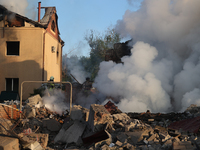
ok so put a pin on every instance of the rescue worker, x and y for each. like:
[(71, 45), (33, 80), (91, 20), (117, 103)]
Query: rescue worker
[(87, 85), (51, 85)]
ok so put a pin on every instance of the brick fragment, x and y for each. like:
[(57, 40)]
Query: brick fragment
[(119, 143), (98, 117), (152, 137)]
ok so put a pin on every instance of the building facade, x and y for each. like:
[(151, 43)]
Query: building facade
[(29, 50)]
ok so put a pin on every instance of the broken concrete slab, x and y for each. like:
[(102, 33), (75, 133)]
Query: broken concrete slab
[(9, 143), (72, 134), (33, 146), (79, 113), (51, 124), (122, 117), (122, 137), (168, 144), (134, 124), (7, 124), (39, 137), (138, 135), (98, 117), (29, 111), (34, 100)]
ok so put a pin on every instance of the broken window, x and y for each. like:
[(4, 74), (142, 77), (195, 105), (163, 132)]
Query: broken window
[(53, 26), (12, 48), (12, 84)]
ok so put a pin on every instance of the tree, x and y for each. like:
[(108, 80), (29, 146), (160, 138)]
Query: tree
[(99, 44)]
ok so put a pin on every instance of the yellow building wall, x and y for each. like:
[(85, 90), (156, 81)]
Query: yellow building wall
[(28, 66), (52, 57)]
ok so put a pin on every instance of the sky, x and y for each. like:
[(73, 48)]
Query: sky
[(77, 17)]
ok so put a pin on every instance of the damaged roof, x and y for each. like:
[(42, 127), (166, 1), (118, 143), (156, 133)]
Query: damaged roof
[(49, 11), (47, 16), (5, 14), (191, 125)]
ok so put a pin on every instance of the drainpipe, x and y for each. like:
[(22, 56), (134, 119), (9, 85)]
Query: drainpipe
[(61, 63), (39, 8), (62, 44), (43, 55)]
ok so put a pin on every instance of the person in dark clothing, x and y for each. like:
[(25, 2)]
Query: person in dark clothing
[(87, 85)]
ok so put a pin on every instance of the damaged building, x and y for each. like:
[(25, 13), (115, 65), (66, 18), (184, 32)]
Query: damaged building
[(29, 50)]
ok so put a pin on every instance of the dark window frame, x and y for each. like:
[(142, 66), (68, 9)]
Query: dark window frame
[(12, 48), (53, 26), (12, 84)]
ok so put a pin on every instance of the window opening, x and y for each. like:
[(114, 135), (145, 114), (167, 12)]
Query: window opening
[(13, 48), (53, 26), (12, 84)]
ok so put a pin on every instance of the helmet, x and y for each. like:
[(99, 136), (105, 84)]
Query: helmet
[(51, 78)]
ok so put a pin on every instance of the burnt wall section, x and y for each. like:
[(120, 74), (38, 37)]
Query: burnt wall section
[(120, 50)]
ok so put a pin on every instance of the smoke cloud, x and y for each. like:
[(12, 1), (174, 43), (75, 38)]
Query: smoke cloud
[(136, 81), (55, 101), (75, 67), (18, 6), (162, 74)]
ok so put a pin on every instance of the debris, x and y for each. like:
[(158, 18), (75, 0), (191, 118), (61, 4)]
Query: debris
[(33, 146), (98, 117), (34, 100), (106, 141), (79, 113), (72, 134), (51, 124), (9, 143), (6, 124), (29, 111), (191, 125), (27, 131), (96, 137), (39, 137), (111, 108), (103, 127)]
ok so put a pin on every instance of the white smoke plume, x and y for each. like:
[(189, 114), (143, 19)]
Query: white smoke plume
[(162, 74), (75, 68), (137, 81), (55, 101), (17, 6)]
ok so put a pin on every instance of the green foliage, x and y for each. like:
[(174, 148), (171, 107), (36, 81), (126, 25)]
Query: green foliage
[(99, 44)]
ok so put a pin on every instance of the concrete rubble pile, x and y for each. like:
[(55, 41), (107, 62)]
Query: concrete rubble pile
[(102, 127)]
